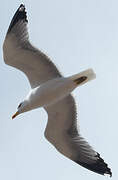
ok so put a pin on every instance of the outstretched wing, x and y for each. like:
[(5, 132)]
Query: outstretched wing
[(62, 132), (19, 53)]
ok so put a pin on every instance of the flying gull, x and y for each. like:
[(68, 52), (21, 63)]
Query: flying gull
[(51, 90)]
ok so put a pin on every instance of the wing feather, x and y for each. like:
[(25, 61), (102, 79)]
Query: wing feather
[(62, 132), (19, 53)]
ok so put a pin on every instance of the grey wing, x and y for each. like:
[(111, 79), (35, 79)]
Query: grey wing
[(62, 132), (19, 53)]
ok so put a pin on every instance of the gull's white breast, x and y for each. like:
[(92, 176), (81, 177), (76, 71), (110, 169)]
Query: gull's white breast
[(50, 92)]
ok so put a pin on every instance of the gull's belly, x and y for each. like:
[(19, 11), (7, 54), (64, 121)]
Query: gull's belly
[(50, 92)]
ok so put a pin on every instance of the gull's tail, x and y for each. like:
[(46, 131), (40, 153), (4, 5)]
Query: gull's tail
[(83, 77)]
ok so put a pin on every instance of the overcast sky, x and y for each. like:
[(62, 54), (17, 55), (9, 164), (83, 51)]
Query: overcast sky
[(76, 34)]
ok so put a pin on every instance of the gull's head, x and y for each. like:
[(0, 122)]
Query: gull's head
[(22, 107)]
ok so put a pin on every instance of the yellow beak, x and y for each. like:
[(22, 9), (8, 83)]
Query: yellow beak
[(16, 114)]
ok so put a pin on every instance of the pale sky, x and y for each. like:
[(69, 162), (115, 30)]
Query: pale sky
[(76, 34)]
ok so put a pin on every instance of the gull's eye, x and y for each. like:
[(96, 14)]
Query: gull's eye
[(19, 105)]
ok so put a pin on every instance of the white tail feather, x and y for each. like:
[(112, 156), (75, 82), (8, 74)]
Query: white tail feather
[(89, 73)]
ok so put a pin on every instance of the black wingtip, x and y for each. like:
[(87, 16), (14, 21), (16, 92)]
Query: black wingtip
[(99, 166), (21, 7), (103, 164), (19, 15)]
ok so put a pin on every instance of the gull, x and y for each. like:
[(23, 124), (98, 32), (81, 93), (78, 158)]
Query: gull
[(52, 91)]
